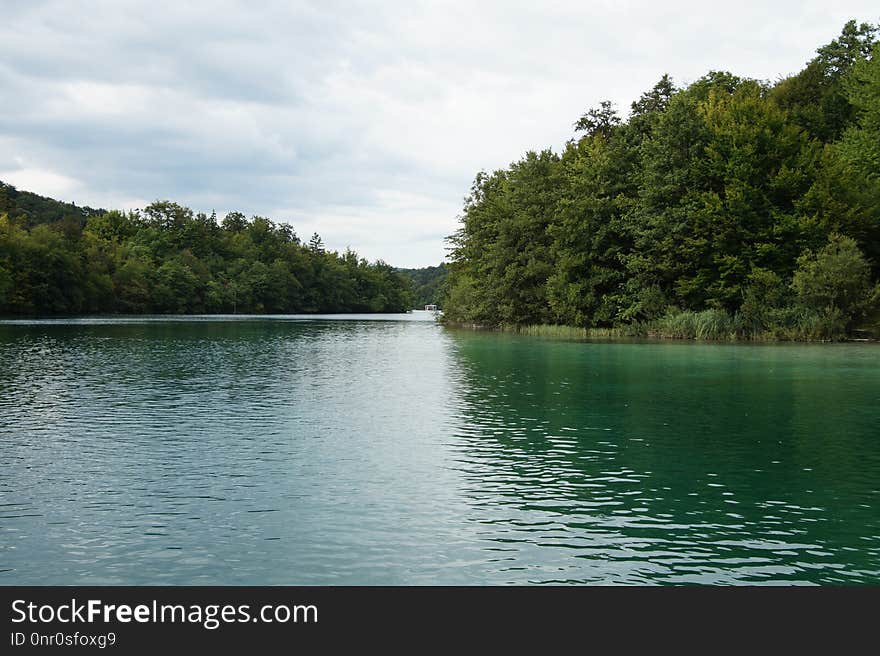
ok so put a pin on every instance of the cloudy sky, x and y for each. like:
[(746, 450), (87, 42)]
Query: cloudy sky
[(364, 121)]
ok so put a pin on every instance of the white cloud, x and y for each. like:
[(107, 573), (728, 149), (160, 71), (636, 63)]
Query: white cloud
[(54, 184), (364, 121)]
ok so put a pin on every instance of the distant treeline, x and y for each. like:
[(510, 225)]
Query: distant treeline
[(429, 284), (729, 208), (57, 258)]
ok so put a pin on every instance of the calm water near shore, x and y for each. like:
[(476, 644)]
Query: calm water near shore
[(389, 450)]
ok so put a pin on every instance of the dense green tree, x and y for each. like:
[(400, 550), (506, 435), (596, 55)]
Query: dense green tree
[(835, 279), (765, 298), (816, 98), (860, 145), (507, 217), (316, 245), (599, 120), (589, 237), (168, 259)]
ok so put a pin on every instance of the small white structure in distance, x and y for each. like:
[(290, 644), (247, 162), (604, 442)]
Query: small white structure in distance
[(430, 308)]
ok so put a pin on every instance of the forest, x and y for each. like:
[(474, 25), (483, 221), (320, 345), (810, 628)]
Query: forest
[(57, 258), (730, 208)]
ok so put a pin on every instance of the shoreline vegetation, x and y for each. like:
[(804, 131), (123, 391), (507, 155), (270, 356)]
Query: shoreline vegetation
[(729, 209), (685, 327)]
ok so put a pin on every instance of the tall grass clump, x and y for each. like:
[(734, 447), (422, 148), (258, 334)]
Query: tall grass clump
[(554, 331), (712, 324), (548, 330)]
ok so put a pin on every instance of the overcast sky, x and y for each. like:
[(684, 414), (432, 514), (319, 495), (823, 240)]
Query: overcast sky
[(365, 122)]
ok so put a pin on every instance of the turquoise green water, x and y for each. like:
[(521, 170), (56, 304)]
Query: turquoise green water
[(388, 450)]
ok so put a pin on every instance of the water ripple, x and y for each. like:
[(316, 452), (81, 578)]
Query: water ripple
[(300, 451)]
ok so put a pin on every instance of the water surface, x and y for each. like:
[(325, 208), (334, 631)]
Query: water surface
[(388, 450)]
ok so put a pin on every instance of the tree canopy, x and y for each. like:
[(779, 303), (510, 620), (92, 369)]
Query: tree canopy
[(56, 258)]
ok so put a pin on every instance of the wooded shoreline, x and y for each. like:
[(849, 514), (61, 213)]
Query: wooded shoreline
[(731, 208)]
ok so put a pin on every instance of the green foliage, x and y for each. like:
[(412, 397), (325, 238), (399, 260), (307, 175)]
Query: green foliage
[(428, 285), (601, 120), (861, 142), (169, 259), (765, 296), (695, 215), (27, 209), (816, 98), (834, 280), (504, 242)]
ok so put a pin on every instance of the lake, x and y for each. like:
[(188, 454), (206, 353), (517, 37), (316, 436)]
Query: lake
[(389, 450)]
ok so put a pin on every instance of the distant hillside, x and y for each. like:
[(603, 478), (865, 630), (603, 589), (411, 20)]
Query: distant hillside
[(429, 284), (33, 209)]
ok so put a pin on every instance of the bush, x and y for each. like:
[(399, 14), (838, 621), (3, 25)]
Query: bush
[(764, 299), (835, 282)]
